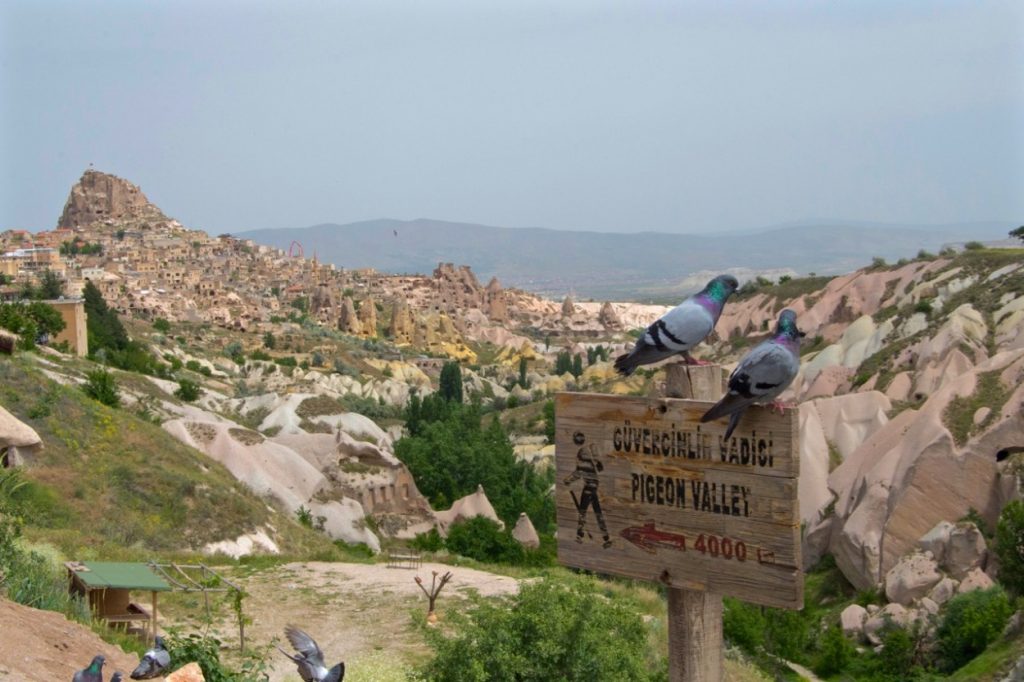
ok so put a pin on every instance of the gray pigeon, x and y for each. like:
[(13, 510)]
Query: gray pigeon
[(310, 660), (681, 328), (153, 662), (94, 673), (116, 677), (763, 373)]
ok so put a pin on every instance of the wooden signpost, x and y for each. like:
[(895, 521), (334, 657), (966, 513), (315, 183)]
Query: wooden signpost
[(644, 490)]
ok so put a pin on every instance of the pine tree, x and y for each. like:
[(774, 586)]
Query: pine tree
[(522, 373), (577, 365)]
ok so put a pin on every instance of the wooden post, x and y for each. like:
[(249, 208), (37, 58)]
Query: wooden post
[(152, 617), (694, 618)]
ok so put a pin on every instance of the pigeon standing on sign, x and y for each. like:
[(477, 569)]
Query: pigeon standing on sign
[(763, 373), (153, 662), (94, 673), (310, 659), (681, 328)]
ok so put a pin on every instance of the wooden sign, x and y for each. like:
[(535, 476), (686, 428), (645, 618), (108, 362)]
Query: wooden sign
[(644, 490)]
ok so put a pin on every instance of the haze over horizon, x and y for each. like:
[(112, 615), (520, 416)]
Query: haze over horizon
[(676, 117)]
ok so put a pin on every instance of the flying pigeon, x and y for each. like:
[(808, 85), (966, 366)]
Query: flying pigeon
[(153, 662), (310, 660), (681, 328), (94, 673), (763, 373)]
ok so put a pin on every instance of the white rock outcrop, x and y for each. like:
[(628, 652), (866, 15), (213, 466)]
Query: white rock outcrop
[(852, 620), (911, 578)]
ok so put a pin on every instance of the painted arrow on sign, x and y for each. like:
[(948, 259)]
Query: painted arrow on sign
[(649, 539)]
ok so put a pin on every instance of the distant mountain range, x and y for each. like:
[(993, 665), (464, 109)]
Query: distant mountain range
[(606, 265)]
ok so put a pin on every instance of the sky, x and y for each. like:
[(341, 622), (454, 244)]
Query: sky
[(611, 116)]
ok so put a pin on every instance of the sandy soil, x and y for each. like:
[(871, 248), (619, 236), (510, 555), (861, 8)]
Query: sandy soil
[(43, 645)]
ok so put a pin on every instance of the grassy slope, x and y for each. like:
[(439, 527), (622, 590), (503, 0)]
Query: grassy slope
[(108, 484)]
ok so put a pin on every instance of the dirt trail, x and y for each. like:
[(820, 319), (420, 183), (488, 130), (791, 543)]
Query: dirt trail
[(352, 610)]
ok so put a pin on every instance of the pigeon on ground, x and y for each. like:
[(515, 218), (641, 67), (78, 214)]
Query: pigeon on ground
[(310, 660), (94, 673), (681, 328), (116, 677), (763, 373), (153, 662)]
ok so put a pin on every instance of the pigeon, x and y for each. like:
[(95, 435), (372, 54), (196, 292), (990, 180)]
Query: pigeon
[(763, 373), (153, 662), (310, 660), (116, 677), (681, 328), (94, 673)]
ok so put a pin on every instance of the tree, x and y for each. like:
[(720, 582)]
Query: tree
[(1009, 547), (162, 325), (51, 286), (549, 630), (522, 373), (450, 386), (102, 323), (577, 365), (269, 341), (482, 539), (1018, 233)]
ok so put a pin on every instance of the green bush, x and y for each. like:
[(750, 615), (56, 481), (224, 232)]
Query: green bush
[(188, 390), (482, 539), (835, 652), (972, 621), (1009, 547), (102, 386), (551, 630), (162, 325), (431, 541)]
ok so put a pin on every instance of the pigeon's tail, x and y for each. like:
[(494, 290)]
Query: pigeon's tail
[(732, 406), (643, 353)]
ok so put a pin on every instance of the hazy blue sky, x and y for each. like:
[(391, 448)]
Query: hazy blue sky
[(623, 116)]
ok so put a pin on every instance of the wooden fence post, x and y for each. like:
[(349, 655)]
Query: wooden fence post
[(694, 618)]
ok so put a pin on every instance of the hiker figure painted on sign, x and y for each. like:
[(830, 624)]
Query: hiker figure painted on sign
[(587, 468)]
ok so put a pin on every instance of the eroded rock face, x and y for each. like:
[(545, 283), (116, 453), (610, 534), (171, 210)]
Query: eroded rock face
[(608, 318), (966, 550), (911, 578), (852, 620), (348, 320), (474, 504), (18, 441), (101, 196), (911, 474), (976, 579)]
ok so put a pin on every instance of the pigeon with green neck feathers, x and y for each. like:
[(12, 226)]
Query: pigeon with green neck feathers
[(763, 373), (680, 329), (94, 673)]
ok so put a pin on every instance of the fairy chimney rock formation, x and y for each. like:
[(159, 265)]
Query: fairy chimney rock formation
[(608, 318), (525, 533), (497, 306), (100, 196), (568, 309), (368, 317), (402, 328), (348, 321)]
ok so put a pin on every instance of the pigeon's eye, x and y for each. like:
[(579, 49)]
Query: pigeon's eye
[(802, 334)]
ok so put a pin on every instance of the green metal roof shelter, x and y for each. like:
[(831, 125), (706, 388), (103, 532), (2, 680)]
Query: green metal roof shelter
[(107, 585)]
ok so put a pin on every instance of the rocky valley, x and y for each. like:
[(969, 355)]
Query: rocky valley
[(262, 408)]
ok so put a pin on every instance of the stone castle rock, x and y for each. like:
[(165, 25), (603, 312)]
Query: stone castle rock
[(100, 197)]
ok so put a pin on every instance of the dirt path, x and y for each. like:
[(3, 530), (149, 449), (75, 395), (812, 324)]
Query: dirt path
[(354, 611)]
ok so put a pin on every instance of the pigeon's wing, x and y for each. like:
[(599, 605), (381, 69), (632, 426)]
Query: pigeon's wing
[(79, 676), (162, 658), (305, 645), (677, 331), (146, 669), (335, 674), (683, 327), (761, 376)]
